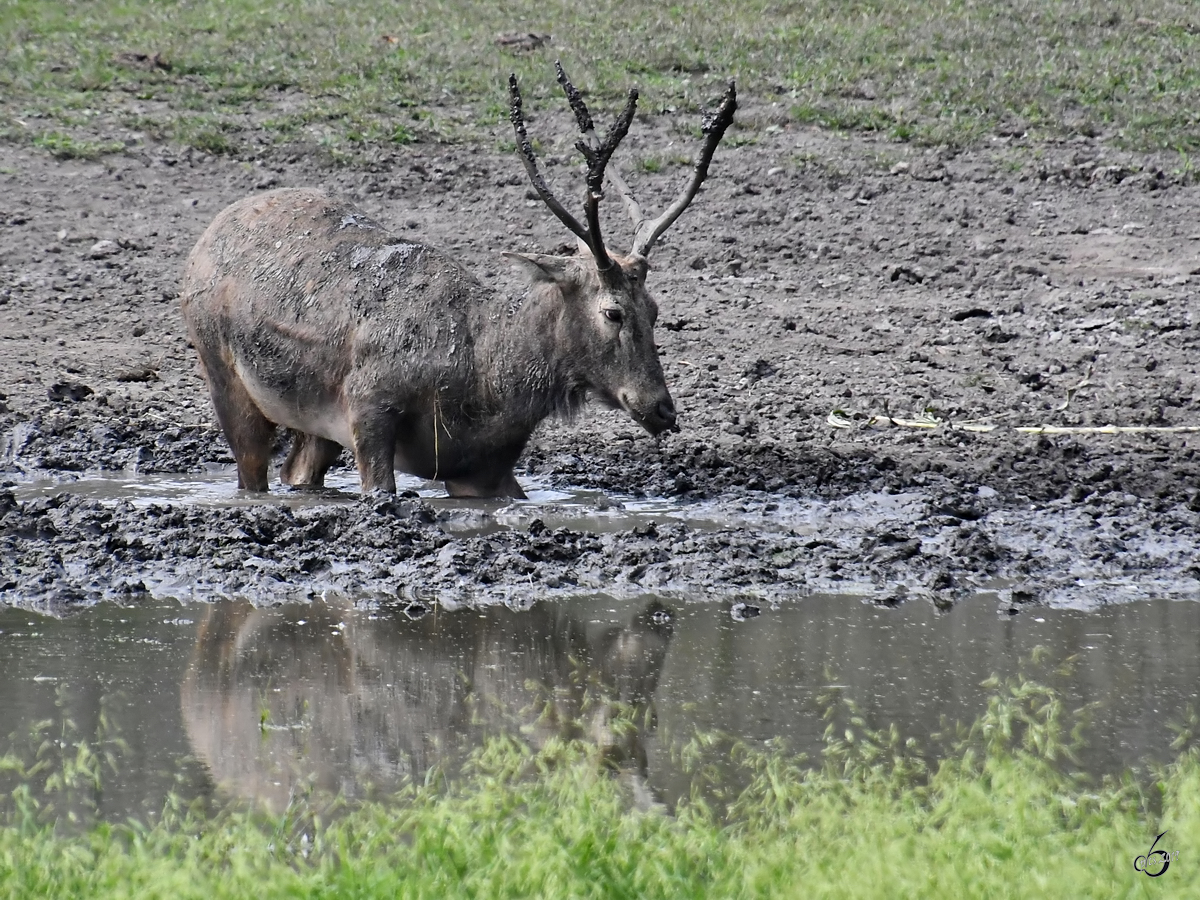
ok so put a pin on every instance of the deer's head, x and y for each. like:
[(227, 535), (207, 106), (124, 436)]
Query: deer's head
[(606, 317)]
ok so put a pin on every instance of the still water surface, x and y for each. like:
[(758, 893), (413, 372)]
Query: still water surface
[(228, 700)]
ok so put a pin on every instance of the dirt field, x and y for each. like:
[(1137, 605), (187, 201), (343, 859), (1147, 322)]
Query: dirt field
[(816, 277)]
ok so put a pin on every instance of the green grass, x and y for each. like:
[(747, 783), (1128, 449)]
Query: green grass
[(1000, 814), (234, 76), (63, 146)]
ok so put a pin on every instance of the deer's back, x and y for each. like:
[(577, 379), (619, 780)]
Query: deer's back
[(300, 255), (308, 299)]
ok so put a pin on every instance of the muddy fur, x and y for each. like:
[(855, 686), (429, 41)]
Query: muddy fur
[(306, 313)]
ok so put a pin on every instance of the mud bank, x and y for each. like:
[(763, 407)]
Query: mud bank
[(889, 548), (817, 284)]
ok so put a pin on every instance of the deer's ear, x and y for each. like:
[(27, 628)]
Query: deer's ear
[(637, 266), (540, 267)]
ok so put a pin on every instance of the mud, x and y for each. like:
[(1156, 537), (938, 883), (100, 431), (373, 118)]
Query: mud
[(816, 279)]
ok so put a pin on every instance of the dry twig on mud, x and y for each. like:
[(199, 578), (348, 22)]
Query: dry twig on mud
[(840, 419)]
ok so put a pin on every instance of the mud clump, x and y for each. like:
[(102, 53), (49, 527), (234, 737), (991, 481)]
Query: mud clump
[(68, 551)]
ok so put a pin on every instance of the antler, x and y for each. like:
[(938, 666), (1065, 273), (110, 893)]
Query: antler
[(591, 146), (647, 232), (596, 152), (531, 166)]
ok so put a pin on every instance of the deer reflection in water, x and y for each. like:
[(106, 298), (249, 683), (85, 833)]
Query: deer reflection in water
[(276, 700)]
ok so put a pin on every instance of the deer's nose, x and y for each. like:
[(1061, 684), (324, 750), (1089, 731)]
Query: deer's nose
[(666, 412)]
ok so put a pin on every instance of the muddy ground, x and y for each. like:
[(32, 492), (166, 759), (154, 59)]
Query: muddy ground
[(1011, 285)]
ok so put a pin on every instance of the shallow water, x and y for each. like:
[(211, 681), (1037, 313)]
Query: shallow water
[(232, 700), (556, 507)]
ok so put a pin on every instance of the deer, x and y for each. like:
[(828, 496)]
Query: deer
[(306, 313)]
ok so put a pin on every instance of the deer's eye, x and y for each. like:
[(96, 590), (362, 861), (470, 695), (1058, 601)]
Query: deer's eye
[(614, 315)]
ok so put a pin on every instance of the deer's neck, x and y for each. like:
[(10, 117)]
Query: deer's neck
[(527, 374)]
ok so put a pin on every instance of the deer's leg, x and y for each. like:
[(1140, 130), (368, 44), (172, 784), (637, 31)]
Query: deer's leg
[(374, 435), (250, 434), (309, 460), (505, 486)]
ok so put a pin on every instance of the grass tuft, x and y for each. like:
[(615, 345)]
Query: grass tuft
[(63, 146)]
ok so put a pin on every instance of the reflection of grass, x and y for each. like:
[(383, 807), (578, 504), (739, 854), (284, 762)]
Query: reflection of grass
[(56, 772), (998, 814), (947, 70)]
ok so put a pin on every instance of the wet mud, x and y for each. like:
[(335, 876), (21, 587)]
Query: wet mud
[(820, 290)]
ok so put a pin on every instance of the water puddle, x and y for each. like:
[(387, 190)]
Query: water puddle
[(232, 700), (577, 508)]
